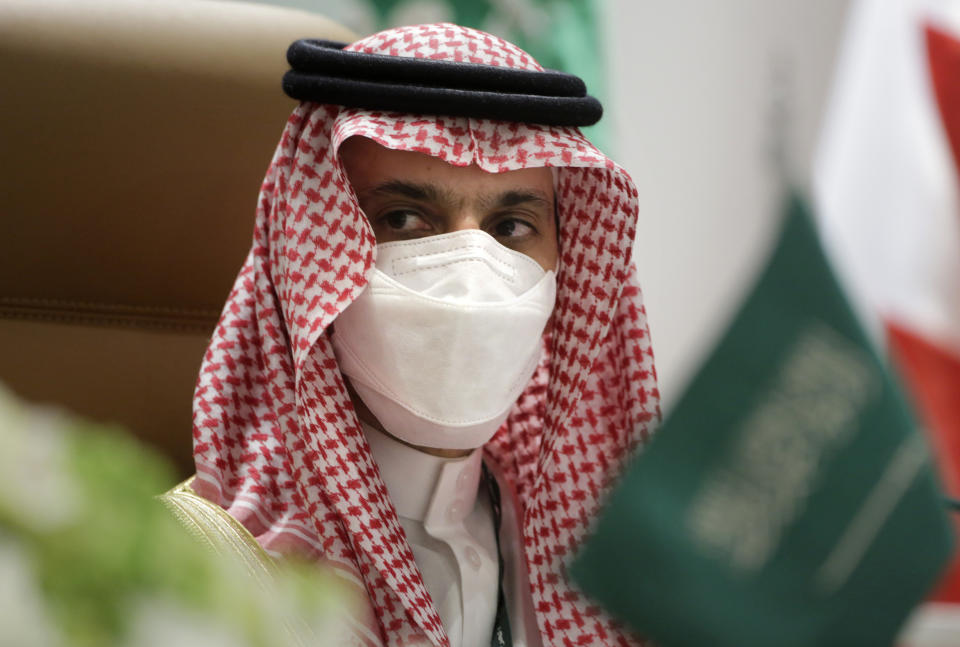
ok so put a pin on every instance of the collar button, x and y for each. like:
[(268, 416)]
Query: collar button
[(473, 557)]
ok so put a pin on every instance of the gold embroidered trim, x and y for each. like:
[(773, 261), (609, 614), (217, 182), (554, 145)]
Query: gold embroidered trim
[(216, 529)]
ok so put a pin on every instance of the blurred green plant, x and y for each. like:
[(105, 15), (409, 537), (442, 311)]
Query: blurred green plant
[(88, 557)]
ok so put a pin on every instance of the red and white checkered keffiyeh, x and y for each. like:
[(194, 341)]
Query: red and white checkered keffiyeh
[(277, 441)]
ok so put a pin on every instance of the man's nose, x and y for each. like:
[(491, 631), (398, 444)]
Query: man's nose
[(464, 219)]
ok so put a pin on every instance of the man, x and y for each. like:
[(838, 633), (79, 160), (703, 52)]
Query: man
[(433, 362)]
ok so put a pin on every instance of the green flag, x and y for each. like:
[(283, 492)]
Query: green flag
[(789, 499)]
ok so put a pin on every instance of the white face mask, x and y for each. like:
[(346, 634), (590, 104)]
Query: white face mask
[(445, 337)]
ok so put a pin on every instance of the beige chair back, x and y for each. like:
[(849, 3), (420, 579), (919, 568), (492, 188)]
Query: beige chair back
[(134, 135)]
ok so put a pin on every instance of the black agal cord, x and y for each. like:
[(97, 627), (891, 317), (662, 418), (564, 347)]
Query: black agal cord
[(322, 71)]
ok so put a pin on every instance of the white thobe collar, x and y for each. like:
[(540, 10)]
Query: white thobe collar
[(433, 490), (437, 495)]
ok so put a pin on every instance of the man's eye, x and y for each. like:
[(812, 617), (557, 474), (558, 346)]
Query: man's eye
[(513, 228), (405, 221)]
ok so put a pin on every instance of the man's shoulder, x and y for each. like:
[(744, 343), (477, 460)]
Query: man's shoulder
[(216, 529)]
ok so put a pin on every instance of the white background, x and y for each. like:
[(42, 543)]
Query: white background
[(695, 89)]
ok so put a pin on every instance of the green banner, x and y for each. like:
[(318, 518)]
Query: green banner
[(789, 499)]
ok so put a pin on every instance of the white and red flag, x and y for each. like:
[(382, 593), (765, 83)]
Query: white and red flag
[(887, 185)]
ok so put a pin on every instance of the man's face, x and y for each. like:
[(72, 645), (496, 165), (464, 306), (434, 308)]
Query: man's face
[(408, 195)]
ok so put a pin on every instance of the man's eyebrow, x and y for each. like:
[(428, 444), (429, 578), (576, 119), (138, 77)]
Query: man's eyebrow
[(516, 197), (413, 190), (428, 192)]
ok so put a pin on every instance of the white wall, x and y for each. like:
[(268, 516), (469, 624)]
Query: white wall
[(693, 95)]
